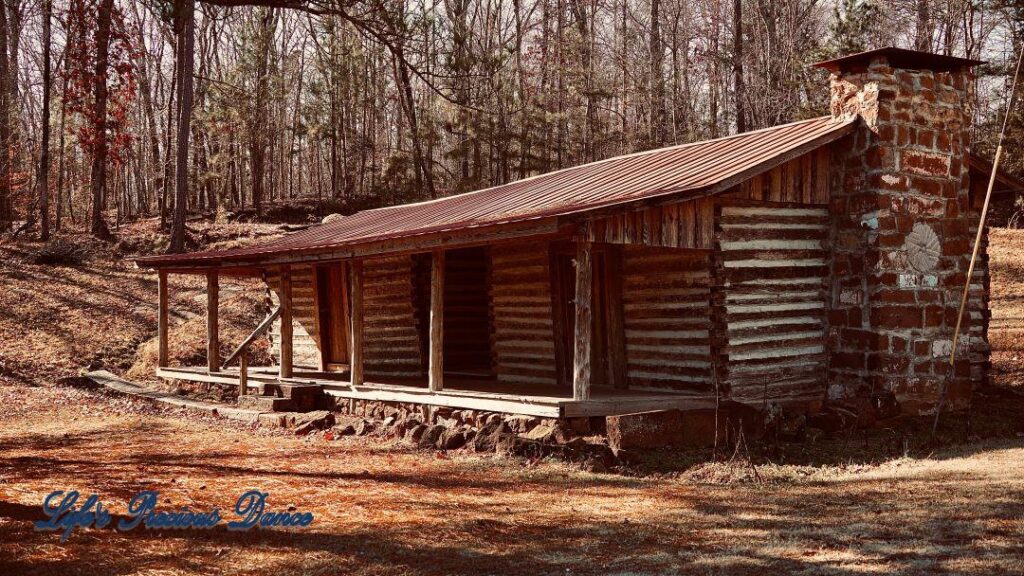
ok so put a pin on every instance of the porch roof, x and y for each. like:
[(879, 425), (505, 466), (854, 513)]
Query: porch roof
[(686, 170)]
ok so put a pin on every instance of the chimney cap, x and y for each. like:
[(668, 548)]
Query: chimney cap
[(898, 58)]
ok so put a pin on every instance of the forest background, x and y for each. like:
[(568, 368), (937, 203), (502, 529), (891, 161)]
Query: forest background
[(113, 110)]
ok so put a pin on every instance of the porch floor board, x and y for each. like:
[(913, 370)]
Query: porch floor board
[(464, 392)]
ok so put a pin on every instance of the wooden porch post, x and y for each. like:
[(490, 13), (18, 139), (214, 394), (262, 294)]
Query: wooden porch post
[(435, 376), (161, 318), (286, 322), (212, 321), (356, 297), (243, 373), (581, 373)]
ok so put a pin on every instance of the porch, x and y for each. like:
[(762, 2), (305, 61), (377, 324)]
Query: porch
[(556, 327), (462, 393)]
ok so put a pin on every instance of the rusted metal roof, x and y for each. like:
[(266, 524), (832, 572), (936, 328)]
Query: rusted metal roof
[(899, 58), (690, 169)]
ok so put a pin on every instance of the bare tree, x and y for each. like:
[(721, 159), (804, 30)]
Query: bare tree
[(99, 158), (44, 146), (739, 89), (6, 117), (185, 29)]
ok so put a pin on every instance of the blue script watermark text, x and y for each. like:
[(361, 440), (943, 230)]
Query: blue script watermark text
[(66, 511)]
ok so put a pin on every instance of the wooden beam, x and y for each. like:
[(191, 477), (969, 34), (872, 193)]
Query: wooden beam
[(161, 322), (532, 229), (614, 318), (582, 356), (356, 298), (243, 373), (435, 374), (212, 321), (286, 321), (252, 337)]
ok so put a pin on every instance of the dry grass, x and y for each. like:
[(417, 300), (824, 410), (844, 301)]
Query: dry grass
[(387, 510), (1006, 330)]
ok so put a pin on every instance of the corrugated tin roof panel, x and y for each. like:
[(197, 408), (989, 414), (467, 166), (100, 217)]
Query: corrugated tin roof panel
[(620, 180)]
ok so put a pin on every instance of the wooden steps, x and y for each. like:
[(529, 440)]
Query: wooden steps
[(283, 397)]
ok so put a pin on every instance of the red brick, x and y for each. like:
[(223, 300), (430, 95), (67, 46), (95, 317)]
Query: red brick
[(896, 317), (848, 360), (926, 163), (898, 344), (934, 316), (896, 297)]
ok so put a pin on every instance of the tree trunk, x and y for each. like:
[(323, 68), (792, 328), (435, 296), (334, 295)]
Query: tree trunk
[(424, 169), (657, 127), (740, 91), (923, 36), (6, 212), (99, 157), (257, 137), (44, 145), (185, 28), (168, 166), (61, 161), (146, 90)]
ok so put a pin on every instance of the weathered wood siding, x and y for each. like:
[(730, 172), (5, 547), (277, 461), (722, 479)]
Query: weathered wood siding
[(524, 349), (666, 309), (771, 291), (305, 342), (391, 342), (802, 180), (688, 224)]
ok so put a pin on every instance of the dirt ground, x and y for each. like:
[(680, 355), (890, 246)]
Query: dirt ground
[(383, 508)]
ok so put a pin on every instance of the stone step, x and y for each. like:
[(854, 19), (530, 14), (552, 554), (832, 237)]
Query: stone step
[(303, 396), (265, 403)]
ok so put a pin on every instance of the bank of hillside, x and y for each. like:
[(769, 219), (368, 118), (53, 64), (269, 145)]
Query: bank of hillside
[(78, 303)]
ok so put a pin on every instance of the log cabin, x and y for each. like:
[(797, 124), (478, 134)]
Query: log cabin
[(819, 259)]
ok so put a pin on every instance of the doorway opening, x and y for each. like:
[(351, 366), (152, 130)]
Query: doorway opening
[(332, 316)]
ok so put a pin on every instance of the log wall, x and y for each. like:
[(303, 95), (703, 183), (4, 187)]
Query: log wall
[(523, 340), (771, 295), (305, 341), (391, 341), (978, 314), (690, 224), (666, 309)]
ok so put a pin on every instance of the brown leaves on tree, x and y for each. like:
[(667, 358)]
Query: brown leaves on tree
[(80, 73)]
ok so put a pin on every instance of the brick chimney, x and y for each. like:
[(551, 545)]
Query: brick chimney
[(901, 224)]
